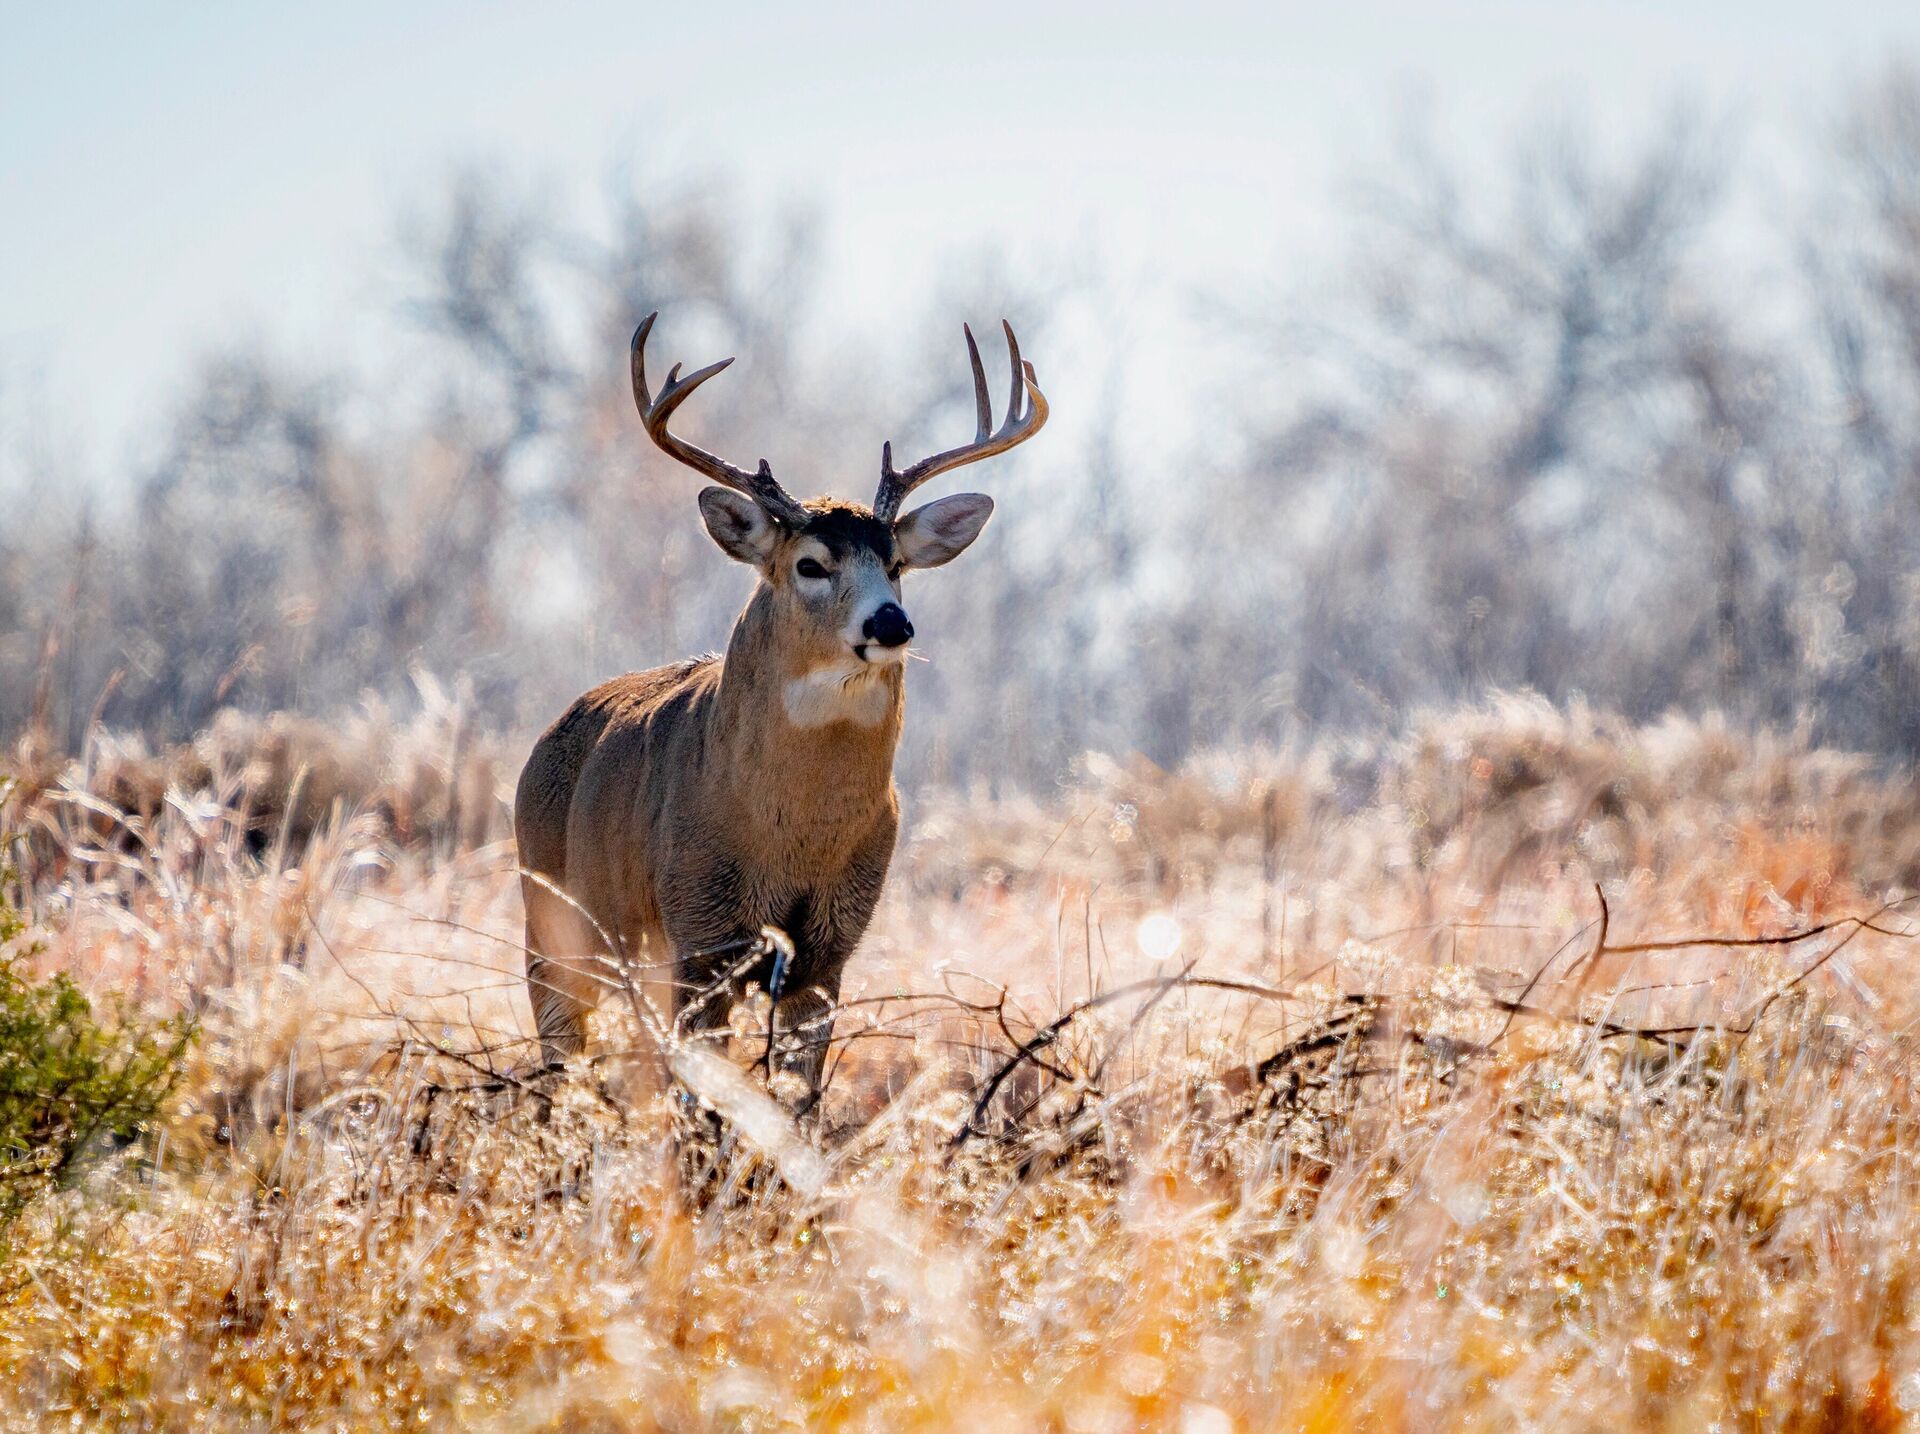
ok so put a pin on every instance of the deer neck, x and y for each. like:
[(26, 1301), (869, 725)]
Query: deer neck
[(804, 738)]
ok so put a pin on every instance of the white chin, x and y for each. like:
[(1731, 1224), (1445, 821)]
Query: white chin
[(874, 655), (839, 694)]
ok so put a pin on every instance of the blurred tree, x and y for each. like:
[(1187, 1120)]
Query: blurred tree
[(1536, 433), (1490, 465), (1858, 614)]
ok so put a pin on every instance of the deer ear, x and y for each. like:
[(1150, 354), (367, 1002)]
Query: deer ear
[(739, 525), (941, 531)]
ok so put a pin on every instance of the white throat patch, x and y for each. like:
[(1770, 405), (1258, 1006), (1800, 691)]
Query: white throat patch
[(857, 694)]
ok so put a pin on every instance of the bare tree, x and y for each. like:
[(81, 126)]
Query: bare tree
[(1534, 433)]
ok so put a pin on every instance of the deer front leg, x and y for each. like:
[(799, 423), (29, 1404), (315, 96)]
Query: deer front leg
[(836, 920), (803, 1028)]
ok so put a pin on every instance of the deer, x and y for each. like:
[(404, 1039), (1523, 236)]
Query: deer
[(725, 822)]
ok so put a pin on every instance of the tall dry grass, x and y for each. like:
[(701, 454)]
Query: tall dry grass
[(1335, 1088)]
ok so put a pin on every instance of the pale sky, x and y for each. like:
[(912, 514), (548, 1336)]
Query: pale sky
[(174, 177)]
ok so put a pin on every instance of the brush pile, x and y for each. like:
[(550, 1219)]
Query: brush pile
[(1530, 1070)]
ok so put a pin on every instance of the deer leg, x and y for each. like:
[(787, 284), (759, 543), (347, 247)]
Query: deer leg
[(803, 1023), (565, 975)]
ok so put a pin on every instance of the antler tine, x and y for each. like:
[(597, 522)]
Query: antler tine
[(982, 405), (1013, 362), (761, 486), (1023, 420)]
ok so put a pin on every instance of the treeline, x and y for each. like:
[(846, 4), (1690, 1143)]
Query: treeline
[(1624, 422)]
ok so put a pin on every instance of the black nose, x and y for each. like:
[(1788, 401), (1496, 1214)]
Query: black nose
[(889, 626)]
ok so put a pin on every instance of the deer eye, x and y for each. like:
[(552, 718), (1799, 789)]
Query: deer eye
[(895, 571), (808, 568)]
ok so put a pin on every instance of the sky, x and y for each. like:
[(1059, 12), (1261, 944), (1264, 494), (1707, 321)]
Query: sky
[(173, 179)]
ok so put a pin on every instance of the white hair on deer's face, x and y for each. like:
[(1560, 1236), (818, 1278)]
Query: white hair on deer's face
[(852, 692)]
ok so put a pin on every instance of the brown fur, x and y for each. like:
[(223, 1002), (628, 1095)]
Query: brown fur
[(672, 813)]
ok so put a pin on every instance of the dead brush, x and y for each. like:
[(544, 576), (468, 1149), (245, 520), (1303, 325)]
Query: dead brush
[(1634, 1159), (412, 1230), (1479, 799), (433, 779)]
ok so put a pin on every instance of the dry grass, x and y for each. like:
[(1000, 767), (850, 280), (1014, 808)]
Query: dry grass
[(1418, 1143)]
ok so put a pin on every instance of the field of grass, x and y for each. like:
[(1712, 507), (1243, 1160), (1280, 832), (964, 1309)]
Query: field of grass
[(1529, 1071)]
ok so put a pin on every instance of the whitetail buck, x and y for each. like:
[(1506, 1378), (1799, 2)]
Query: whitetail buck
[(672, 814)]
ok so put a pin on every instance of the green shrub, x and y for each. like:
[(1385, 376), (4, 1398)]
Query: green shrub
[(71, 1082)]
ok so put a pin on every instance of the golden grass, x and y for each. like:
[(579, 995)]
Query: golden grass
[(1273, 1209)]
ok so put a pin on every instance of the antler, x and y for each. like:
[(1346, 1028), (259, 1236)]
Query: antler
[(761, 486), (1017, 429)]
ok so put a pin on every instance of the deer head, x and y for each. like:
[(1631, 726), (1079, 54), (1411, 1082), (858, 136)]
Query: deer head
[(834, 568)]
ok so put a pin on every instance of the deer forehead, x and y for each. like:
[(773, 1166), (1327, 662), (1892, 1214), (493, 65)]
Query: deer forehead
[(839, 532)]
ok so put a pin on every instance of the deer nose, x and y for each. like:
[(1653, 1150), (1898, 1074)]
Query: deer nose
[(888, 626)]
